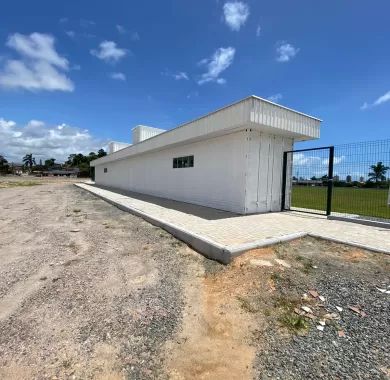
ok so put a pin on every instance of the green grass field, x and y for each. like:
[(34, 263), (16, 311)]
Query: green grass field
[(367, 202)]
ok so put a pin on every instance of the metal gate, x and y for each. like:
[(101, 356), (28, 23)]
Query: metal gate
[(308, 180)]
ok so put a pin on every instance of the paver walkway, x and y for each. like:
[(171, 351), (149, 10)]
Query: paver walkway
[(234, 231)]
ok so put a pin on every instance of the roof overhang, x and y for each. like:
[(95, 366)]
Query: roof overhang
[(251, 112)]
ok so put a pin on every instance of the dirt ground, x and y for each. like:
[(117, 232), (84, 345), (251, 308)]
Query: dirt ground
[(90, 292)]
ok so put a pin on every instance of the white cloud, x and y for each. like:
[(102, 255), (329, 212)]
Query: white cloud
[(216, 64), (285, 52), (70, 33), (109, 52), (40, 66), (43, 141), (258, 31), (63, 20), (86, 23), (118, 76), (121, 29), (135, 36), (236, 14), (181, 75), (275, 98), (381, 100)]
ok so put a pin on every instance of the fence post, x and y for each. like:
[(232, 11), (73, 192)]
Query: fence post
[(284, 181), (330, 181)]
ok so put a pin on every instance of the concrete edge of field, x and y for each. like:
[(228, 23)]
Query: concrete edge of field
[(210, 248), (373, 223)]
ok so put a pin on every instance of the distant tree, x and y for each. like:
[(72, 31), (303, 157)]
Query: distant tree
[(314, 178), (3, 165), (50, 162), (348, 178), (92, 156), (101, 153), (378, 173), (29, 161)]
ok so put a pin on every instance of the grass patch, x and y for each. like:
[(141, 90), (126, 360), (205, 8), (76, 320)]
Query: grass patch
[(365, 202), (293, 322), (289, 319), (6, 184)]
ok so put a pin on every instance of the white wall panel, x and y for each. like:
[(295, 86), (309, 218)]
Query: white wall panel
[(216, 180)]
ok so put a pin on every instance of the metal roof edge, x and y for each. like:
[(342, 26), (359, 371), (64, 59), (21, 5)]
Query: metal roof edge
[(284, 107)]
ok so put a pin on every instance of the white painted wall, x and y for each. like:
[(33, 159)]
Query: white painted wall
[(264, 171), (217, 179)]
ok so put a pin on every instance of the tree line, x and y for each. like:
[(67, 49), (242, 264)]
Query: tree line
[(76, 160)]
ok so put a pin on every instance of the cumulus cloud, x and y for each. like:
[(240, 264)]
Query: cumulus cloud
[(44, 141), (40, 67), (381, 100), (285, 52), (275, 98), (109, 52), (235, 14), (118, 76), (258, 31), (216, 64)]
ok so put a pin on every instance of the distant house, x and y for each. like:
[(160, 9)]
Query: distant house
[(73, 172), (230, 159)]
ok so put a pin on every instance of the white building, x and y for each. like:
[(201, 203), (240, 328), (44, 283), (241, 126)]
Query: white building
[(230, 159)]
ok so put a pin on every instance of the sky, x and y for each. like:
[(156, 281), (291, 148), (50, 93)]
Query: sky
[(77, 74)]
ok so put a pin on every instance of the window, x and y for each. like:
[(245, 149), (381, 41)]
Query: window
[(105, 170), (183, 162)]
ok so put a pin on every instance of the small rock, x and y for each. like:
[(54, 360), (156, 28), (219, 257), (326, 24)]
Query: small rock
[(283, 263), (319, 327), (260, 263), (339, 308), (313, 293), (341, 333), (307, 309), (43, 278)]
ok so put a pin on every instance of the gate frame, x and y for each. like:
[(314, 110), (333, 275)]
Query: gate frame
[(330, 178)]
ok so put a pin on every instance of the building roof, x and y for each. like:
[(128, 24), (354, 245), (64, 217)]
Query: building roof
[(251, 112)]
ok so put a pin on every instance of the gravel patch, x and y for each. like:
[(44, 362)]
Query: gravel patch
[(345, 277)]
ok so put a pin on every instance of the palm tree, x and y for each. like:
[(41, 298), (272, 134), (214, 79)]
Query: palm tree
[(378, 173), (29, 160)]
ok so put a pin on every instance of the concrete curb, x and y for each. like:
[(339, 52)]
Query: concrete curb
[(366, 222), (207, 247), (211, 249), (348, 242)]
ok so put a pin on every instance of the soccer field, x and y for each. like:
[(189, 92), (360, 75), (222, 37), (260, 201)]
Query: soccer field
[(367, 202)]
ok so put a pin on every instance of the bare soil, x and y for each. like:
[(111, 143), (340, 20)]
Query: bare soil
[(90, 292)]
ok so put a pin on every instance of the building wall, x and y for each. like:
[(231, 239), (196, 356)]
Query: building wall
[(217, 179), (265, 170)]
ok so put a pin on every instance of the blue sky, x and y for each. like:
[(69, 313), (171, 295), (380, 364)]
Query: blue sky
[(78, 73)]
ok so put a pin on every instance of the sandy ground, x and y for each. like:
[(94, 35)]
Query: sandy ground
[(90, 292)]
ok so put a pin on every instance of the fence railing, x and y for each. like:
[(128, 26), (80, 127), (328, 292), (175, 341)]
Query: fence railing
[(361, 179)]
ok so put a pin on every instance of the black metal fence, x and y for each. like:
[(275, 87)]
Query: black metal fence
[(359, 188), (361, 179)]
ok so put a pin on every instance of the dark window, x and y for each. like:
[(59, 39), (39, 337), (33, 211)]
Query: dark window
[(183, 162), (105, 170)]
